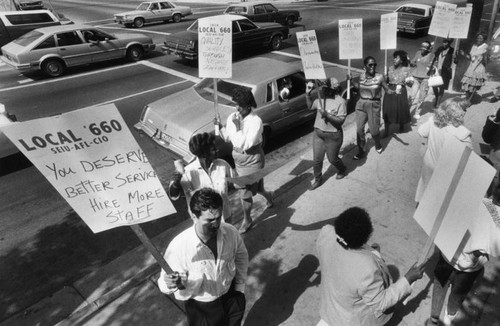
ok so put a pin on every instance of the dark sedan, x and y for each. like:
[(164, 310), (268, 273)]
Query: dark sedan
[(264, 12), (246, 34)]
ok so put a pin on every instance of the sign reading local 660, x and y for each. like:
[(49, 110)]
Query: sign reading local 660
[(94, 162)]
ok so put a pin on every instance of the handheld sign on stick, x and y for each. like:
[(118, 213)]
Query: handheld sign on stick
[(311, 58), (444, 14), (388, 34), (350, 43), (215, 53)]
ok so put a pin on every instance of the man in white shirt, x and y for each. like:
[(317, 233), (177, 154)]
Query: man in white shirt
[(205, 170), (210, 263)]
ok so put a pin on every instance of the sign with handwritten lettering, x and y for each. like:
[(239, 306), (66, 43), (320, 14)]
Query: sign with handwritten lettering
[(443, 16), (461, 22), (388, 31), (310, 55), (350, 39), (215, 47), (94, 162)]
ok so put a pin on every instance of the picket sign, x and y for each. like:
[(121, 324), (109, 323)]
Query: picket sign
[(215, 53), (444, 13), (350, 43), (388, 34), (452, 198)]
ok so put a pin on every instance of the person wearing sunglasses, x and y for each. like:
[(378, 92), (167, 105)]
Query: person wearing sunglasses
[(368, 107)]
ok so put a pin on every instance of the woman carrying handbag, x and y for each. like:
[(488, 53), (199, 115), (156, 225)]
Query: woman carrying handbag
[(443, 59)]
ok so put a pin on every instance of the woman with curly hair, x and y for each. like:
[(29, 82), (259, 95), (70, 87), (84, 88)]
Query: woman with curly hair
[(356, 287), (244, 130), (395, 108), (448, 119), (475, 75)]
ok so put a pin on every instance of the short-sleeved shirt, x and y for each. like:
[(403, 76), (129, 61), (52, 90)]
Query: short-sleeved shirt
[(422, 64), (370, 87), (334, 106), (399, 75)]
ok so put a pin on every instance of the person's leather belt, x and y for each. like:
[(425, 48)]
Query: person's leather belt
[(371, 99)]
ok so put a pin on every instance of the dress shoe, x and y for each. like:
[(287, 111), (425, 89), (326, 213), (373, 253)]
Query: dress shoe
[(358, 156), (341, 174), (494, 99)]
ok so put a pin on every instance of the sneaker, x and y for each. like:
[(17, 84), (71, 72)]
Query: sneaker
[(448, 319), (494, 99), (315, 184), (432, 322), (358, 156), (417, 116), (379, 150)]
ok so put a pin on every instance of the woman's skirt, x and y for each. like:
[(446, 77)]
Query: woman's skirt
[(474, 78), (248, 163), (396, 108)]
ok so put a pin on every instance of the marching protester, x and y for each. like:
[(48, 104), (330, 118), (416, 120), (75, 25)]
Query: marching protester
[(328, 135), (244, 130), (356, 287), (443, 59), (475, 75), (395, 107), (447, 119), (491, 135), (210, 263), (422, 62), (204, 170), (368, 107)]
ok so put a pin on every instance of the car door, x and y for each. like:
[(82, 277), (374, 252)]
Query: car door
[(166, 11), (272, 13), (294, 108), (246, 35), (72, 48), (153, 13), (260, 14), (103, 46)]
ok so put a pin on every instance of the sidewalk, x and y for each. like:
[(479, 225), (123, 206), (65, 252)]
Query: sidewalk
[(284, 273)]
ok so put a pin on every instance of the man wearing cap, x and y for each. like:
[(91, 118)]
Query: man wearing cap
[(443, 58), (422, 62), (328, 135)]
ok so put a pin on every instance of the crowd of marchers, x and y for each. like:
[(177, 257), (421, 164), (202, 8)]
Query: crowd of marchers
[(210, 260)]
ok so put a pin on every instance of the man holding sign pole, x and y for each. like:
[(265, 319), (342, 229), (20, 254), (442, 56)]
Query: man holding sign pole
[(210, 263)]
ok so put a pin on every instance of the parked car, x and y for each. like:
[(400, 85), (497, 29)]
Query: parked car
[(16, 23), (264, 12), (53, 49), (172, 120), (246, 35), (153, 12), (414, 18)]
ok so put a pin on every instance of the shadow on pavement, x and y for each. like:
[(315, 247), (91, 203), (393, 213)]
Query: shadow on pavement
[(281, 292)]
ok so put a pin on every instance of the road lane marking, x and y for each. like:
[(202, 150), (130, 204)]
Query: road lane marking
[(170, 71), (127, 29), (24, 81), (50, 81), (140, 93)]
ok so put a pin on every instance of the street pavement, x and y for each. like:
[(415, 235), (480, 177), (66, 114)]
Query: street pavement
[(284, 273)]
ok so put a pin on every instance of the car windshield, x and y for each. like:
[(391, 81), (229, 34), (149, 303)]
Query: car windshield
[(236, 10), (143, 6), (224, 90), (412, 10), (28, 38)]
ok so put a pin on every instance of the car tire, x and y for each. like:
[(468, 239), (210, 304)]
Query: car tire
[(176, 18), (290, 21), (276, 42), (53, 67), (135, 53), (139, 22)]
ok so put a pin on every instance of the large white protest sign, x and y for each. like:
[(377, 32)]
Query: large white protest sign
[(94, 162), (215, 47), (441, 22), (310, 55), (453, 196), (388, 31), (350, 39), (461, 22)]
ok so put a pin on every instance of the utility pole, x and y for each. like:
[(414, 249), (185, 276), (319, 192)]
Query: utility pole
[(493, 19)]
